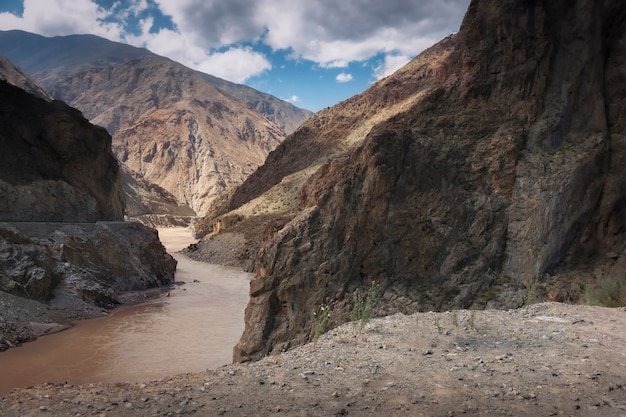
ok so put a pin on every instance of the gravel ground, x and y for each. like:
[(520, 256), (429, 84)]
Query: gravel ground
[(228, 249), (546, 360)]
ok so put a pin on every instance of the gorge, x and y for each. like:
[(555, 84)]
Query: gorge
[(480, 189), (191, 329)]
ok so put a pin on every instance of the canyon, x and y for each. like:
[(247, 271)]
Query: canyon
[(191, 134), (479, 190)]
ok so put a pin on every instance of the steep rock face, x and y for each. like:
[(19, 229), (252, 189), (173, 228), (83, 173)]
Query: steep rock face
[(506, 170), (173, 127), (55, 165)]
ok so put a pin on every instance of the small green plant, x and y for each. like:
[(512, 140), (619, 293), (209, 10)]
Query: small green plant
[(437, 324), (455, 318), (531, 294), (472, 320), (363, 308), (608, 292), (322, 318)]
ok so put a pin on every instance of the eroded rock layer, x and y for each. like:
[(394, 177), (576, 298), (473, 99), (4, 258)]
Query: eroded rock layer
[(504, 174)]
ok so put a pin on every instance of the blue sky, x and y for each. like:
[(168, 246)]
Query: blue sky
[(314, 53)]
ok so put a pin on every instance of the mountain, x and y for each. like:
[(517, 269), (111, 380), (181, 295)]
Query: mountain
[(143, 196), (15, 76), (285, 115), (171, 125), (49, 59), (488, 172)]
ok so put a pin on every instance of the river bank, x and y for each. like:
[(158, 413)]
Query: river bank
[(190, 327), (57, 273), (545, 360)]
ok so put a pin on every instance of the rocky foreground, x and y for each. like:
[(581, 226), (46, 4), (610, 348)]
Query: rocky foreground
[(545, 360)]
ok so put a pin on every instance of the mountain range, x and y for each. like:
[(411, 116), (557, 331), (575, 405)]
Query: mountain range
[(191, 134), (486, 173)]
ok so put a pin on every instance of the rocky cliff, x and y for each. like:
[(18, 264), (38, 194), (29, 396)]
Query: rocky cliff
[(55, 165), (55, 169), (487, 172)]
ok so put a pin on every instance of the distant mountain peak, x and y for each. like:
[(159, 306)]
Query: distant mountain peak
[(193, 134)]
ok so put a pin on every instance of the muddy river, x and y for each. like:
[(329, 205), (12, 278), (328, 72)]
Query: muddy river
[(192, 330)]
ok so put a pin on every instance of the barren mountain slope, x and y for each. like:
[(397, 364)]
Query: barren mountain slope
[(14, 76), (284, 114), (496, 172), (82, 70), (49, 60), (172, 126)]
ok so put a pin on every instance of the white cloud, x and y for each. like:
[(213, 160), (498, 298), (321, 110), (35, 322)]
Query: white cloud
[(343, 77), (62, 17), (292, 99), (235, 64), (329, 33), (391, 64)]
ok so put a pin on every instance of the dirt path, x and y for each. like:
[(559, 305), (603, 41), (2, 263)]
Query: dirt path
[(549, 359)]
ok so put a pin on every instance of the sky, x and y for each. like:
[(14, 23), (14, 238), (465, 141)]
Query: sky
[(312, 53)]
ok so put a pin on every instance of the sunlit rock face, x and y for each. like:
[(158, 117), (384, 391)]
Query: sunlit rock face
[(501, 168), (191, 134)]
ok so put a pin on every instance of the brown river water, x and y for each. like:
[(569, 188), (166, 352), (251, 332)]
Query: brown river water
[(192, 330)]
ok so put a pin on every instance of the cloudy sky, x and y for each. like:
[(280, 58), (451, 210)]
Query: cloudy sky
[(313, 53)]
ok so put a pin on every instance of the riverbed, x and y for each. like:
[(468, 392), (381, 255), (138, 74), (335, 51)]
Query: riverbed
[(192, 329)]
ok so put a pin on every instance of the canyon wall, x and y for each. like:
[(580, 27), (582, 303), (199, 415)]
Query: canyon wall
[(65, 252), (55, 165), (503, 174)]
